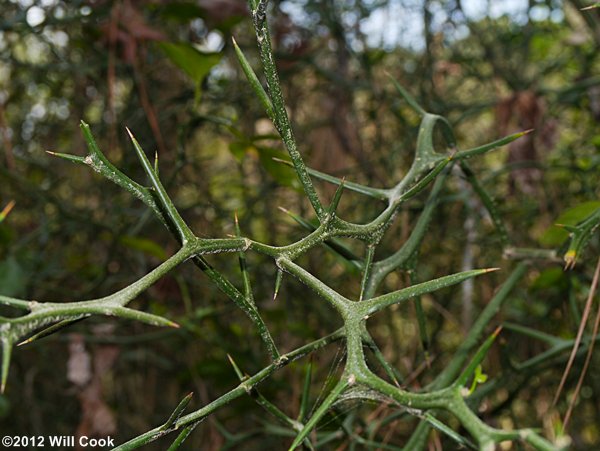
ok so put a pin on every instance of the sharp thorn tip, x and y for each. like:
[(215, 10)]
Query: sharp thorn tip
[(491, 270)]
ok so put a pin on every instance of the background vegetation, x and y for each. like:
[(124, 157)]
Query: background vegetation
[(167, 70)]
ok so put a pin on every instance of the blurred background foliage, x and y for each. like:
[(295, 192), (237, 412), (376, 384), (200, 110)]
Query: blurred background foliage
[(167, 70)]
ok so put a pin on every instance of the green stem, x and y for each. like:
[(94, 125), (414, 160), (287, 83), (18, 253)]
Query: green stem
[(242, 389), (282, 121)]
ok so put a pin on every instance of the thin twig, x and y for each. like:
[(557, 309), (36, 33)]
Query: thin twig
[(588, 357), (586, 314)]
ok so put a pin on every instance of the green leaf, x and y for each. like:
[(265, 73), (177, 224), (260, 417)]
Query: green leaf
[(238, 149), (474, 366), (478, 378), (268, 157), (144, 245), (551, 278), (197, 65), (181, 11), (282, 176), (194, 63), (556, 235), (12, 277)]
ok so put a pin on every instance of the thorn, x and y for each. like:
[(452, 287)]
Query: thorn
[(130, 134), (285, 210), (236, 225), (237, 370), (570, 259), (230, 359), (497, 331), (279, 160), (187, 398), (485, 271), (4, 366), (7, 209), (50, 152), (337, 196), (234, 41), (526, 132), (278, 283), (173, 325)]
